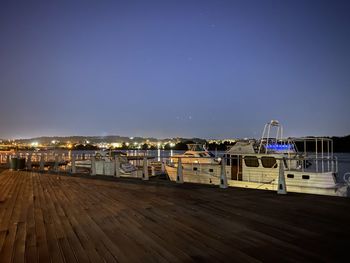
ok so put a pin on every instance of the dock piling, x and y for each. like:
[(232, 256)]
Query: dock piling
[(163, 166), (29, 161), (55, 167), (8, 160), (42, 164), (145, 170), (282, 189), (93, 165), (74, 169), (117, 166), (223, 178), (111, 168), (179, 177)]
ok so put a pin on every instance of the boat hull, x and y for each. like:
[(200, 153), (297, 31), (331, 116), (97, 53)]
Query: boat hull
[(191, 176)]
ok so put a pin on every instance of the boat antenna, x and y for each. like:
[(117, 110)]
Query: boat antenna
[(265, 137)]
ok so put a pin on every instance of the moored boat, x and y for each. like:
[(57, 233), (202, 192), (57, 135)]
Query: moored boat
[(104, 161), (256, 164)]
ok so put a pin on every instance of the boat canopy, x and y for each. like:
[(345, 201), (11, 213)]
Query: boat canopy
[(196, 147), (242, 147)]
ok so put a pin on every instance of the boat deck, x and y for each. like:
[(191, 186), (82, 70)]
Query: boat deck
[(48, 217)]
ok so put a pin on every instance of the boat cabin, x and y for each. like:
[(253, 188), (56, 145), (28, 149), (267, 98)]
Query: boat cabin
[(258, 161)]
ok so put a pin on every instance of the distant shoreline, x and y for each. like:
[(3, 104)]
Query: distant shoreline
[(340, 144)]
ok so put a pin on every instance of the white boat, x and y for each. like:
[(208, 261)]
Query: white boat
[(196, 153), (255, 164), (104, 161)]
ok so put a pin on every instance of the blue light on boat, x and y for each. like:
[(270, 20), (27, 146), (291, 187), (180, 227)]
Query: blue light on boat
[(279, 147)]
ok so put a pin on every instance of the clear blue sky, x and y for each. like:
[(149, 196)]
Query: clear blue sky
[(211, 69)]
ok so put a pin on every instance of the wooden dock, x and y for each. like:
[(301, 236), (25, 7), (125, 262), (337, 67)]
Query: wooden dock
[(51, 218)]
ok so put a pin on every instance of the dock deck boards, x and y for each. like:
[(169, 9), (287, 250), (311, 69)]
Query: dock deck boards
[(48, 217)]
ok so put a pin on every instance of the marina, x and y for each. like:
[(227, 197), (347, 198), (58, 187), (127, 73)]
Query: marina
[(174, 131), (49, 217), (272, 163)]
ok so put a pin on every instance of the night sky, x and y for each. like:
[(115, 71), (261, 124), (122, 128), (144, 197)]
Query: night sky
[(211, 69)]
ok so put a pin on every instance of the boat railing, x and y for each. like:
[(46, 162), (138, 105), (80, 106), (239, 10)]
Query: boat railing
[(304, 164), (309, 162), (316, 164), (193, 159), (298, 163)]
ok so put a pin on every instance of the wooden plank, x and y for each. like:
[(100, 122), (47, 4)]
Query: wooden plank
[(61, 220), (80, 241), (31, 254), (19, 245), (9, 222), (104, 247), (42, 248), (50, 218)]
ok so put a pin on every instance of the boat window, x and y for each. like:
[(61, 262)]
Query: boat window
[(202, 155), (268, 162), (251, 161), (211, 170), (195, 168), (306, 177), (189, 154), (290, 175)]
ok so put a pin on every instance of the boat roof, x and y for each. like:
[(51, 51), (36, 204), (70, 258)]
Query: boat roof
[(242, 147), (196, 147)]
